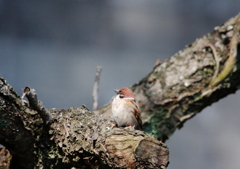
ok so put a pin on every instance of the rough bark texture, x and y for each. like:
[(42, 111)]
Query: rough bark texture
[(180, 87), (172, 93), (74, 137), (5, 157)]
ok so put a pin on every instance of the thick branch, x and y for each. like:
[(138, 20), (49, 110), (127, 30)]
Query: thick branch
[(16, 122), (172, 93), (74, 137), (179, 88)]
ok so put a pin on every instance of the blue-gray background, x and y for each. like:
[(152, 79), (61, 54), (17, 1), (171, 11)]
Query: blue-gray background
[(55, 46)]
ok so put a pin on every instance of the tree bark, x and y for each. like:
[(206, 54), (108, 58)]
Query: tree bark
[(194, 78), (5, 157), (74, 137), (175, 91)]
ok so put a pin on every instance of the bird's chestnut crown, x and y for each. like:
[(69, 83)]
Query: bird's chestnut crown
[(125, 93)]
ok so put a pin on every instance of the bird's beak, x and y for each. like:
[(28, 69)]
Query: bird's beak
[(116, 91)]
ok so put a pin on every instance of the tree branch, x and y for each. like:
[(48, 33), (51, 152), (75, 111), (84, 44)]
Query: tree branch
[(192, 79), (95, 88), (74, 137), (175, 91), (37, 104), (16, 124)]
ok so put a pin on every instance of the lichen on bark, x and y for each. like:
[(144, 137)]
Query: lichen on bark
[(74, 137), (180, 87), (175, 91)]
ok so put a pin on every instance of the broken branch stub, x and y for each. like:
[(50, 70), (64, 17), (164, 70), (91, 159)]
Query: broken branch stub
[(36, 104)]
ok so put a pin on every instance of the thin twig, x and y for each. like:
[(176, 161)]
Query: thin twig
[(95, 88)]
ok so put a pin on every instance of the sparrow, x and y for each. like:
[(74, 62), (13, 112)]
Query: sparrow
[(125, 110)]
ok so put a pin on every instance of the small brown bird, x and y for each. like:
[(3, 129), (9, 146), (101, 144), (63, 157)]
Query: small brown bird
[(125, 110)]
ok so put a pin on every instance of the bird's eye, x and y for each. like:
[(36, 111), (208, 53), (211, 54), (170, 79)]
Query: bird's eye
[(121, 96)]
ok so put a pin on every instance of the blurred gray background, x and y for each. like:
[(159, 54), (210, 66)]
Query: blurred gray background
[(55, 47)]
